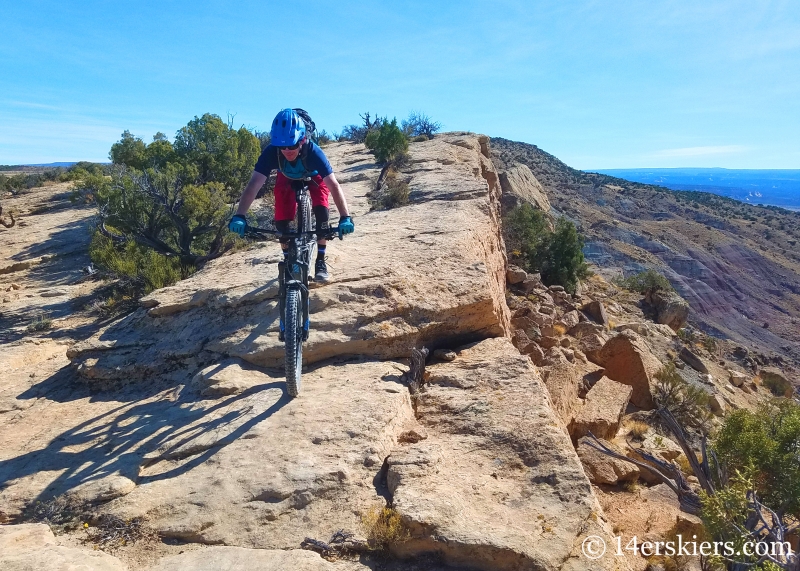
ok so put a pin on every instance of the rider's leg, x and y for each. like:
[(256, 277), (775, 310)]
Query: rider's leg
[(285, 209), (319, 200)]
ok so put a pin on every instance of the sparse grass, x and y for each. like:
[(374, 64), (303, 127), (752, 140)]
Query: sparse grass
[(60, 513), (112, 532), (383, 528), (41, 322), (637, 430), (758, 381), (632, 486), (684, 465), (559, 329)]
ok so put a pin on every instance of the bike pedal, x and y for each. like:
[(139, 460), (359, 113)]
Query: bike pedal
[(305, 335)]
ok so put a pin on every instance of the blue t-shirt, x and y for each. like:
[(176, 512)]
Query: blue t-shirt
[(316, 162)]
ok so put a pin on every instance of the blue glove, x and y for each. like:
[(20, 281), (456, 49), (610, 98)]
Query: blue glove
[(238, 224), (346, 226)]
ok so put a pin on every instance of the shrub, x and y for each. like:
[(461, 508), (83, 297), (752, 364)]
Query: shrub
[(165, 208), (764, 445), (419, 125), (392, 194), (687, 403), (387, 143), (41, 322), (143, 269), (383, 528), (358, 133), (564, 263), (778, 386), (644, 282), (557, 255)]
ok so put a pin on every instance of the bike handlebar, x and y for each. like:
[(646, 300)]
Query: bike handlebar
[(328, 233)]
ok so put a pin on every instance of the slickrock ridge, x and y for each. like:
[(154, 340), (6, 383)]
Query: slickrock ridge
[(430, 272), (175, 413)]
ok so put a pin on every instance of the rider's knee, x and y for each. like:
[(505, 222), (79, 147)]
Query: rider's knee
[(283, 227)]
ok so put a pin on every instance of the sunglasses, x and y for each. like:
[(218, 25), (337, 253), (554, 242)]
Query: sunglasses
[(293, 147)]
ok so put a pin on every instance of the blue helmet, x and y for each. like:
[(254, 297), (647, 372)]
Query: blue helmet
[(287, 129)]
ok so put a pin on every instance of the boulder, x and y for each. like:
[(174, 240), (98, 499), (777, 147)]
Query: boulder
[(570, 320), (548, 342), (602, 413), (737, 379), (515, 275), (526, 324), (563, 381), (603, 469), (627, 360), (692, 360), (542, 319), (776, 381), (716, 404), (535, 353), (520, 186), (596, 311), (591, 346), (670, 308)]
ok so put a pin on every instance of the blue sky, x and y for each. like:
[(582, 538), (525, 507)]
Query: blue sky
[(599, 84)]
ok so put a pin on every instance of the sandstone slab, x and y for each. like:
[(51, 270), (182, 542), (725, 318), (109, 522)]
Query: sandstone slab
[(216, 558), (520, 186), (603, 469), (31, 547), (693, 360), (627, 359), (603, 411), (381, 301), (495, 453)]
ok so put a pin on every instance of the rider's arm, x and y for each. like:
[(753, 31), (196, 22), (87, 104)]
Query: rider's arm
[(257, 180), (336, 191)]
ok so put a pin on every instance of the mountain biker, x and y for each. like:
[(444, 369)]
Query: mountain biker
[(295, 158)]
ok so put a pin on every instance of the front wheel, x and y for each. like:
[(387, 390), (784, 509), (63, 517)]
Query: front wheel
[(294, 341)]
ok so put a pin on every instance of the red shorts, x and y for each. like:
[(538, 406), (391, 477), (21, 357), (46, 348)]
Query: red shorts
[(285, 202)]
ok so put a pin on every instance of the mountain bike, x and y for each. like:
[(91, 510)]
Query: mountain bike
[(293, 284)]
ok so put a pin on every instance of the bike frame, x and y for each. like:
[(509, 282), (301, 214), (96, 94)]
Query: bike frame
[(294, 271)]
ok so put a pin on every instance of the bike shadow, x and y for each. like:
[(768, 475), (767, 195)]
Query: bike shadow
[(147, 437)]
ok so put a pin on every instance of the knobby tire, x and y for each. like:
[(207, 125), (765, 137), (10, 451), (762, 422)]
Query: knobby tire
[(294, 341), (293, 358)]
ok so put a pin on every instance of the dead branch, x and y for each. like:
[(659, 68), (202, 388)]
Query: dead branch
[(416, 374), (10, 215), (668, 473), (701, 471)]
